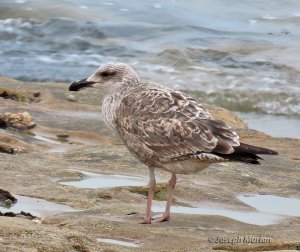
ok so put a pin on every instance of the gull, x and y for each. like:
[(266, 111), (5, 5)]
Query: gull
[(164, 128)]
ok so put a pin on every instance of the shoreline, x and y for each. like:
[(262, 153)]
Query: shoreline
[(282, 126), (70, 146)]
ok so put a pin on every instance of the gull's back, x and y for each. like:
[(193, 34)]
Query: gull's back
[(161, 126)]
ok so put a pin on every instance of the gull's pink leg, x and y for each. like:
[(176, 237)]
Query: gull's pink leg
[(166, 215), (152, 184)]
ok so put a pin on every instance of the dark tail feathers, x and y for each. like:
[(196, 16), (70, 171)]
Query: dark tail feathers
[(247, 154), (247, 148)]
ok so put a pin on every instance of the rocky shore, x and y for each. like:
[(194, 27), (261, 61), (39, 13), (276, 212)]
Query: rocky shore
[(57, 157)]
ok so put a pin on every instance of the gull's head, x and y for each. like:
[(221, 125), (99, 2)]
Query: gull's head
[(109, 78)]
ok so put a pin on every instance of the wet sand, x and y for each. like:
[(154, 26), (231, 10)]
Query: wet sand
[(69, 156)]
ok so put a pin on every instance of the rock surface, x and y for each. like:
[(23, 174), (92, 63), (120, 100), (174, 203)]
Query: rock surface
[(20, 121), (14, 94), (70, 137), (5, 196)]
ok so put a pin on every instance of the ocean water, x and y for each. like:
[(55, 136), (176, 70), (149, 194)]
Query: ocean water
[(242, 55)]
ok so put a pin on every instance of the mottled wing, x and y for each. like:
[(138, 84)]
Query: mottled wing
[(171, 124)]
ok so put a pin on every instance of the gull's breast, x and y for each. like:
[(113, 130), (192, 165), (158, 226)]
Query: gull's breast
[(109, 107)]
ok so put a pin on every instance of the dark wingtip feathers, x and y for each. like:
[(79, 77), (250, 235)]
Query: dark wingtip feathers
[(247, 148), (248, 158), (247, 154)]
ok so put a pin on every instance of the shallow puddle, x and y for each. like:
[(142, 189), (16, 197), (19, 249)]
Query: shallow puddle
[(273, 204), (82, 114), (46, 139), (270, 209), (119, 242), (96, 180), (37, 207), (256, 218)]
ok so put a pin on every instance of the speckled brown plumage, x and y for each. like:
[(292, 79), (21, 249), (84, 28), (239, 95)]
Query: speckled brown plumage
[(166, 125), (164, 128)]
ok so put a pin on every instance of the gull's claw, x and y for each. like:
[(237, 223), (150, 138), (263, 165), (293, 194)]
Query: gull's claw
[(145, 221), (162, 218)]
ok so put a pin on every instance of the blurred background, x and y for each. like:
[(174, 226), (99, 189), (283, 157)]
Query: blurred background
[(242, 55)]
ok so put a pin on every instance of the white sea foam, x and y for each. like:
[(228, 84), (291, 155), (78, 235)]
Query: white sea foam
[(269, 17), (252, 21)]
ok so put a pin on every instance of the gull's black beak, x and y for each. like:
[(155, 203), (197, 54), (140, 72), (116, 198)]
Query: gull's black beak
[(77, 85)]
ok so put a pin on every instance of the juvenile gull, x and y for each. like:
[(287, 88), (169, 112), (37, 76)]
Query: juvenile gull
[(164, 128)]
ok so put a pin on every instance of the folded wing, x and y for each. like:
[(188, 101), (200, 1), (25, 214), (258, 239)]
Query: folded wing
[(172, 124)]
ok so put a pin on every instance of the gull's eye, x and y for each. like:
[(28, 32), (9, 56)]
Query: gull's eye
[(107, 73)]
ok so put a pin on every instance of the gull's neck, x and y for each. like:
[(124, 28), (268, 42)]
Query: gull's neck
[(112, 101), (123, 88)]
